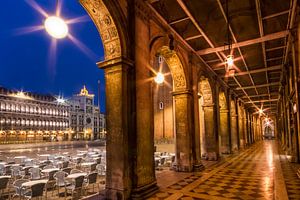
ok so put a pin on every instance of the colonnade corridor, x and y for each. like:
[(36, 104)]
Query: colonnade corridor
[(258, 172)]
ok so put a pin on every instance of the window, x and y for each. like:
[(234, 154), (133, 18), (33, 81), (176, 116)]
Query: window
[(161, 105)]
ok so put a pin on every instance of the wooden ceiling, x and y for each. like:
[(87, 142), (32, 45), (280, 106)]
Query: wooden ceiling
[(259, 30)]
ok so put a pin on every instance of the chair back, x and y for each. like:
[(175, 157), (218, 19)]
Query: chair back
[(79, 181), (51, 175), (3, 182), (93, 167), (37, 190), (65, 164), (16, 170), (67, 170), (2, 169), (60, 177), (92, 177), (101, 169), (26, 171), (35, 173), (18, 186)]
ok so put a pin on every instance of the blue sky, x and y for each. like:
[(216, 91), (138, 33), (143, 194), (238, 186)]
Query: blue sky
[(25, 58)]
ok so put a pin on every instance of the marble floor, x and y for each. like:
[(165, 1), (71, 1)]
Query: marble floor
[(259, 172)]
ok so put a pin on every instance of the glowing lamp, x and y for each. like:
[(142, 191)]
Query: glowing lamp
[(159, 78), (56, 27), (268, 123), (261, 111), (229, 61)]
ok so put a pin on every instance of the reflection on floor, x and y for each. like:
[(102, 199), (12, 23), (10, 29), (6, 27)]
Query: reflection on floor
[(248, 175)]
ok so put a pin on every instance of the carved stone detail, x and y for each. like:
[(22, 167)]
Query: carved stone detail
[(176, 68), (106, 27)]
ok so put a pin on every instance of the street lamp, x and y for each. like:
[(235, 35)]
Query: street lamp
[(56, 27), (159, 78)]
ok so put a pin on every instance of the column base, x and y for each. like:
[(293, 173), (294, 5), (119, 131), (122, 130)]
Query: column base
[(145, 191), (199, 167), (111, 194)]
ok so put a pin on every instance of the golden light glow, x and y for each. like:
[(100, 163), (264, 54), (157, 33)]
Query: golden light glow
[(21, 95), (260, 111), (56, 27), (230, 61), (159, 78)]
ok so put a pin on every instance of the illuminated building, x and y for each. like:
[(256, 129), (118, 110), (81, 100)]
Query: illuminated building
[(30, 117), (87, 122)]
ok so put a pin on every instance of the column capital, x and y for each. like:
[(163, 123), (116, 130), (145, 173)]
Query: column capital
[(113, 62), (188, 92)]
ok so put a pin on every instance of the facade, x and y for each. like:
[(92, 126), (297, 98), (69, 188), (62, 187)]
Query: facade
[(86, 120), (28, 117)]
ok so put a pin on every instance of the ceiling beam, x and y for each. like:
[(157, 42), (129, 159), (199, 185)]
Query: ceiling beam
[(261, 95), (276, 58), (276, 14), (235, 41), (275, 48), (181, 39), (196, 24), (193, 37), (179, 20), (265, 38), (275, 67), (261, 101), (258, 86), (263, 45)]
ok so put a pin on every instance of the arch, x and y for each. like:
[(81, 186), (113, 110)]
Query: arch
[(159, 45), (208, 139), (113, 37)]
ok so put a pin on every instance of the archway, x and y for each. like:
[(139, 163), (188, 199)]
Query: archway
[(208, 139), (224, 132), (118, 74), (180, 110)]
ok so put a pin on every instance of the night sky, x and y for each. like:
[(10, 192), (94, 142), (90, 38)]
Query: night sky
[(25, 59)]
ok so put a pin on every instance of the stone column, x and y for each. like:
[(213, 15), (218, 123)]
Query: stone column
[(224, 131), (234, 127), (144, 169), (241, 126), (184, 133), (118, 144), (211, 140)]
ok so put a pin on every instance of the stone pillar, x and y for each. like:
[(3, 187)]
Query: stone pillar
[(241, 126), (144, 170), (211, 137), (234, 127), (118, 143), (184, 133), (224, 131)]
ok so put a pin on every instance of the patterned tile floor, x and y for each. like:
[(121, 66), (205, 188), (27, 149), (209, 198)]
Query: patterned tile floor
[(249, 175), (292, 182)]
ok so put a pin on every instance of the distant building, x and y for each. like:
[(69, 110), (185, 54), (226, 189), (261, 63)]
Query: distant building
[(30, 117), (87, 122)]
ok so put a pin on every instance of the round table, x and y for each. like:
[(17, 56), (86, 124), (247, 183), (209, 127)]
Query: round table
[(50, 170), (75, 175), (31, 183)]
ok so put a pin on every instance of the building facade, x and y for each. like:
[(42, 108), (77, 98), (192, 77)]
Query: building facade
[(29, 117), (86, 120)]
